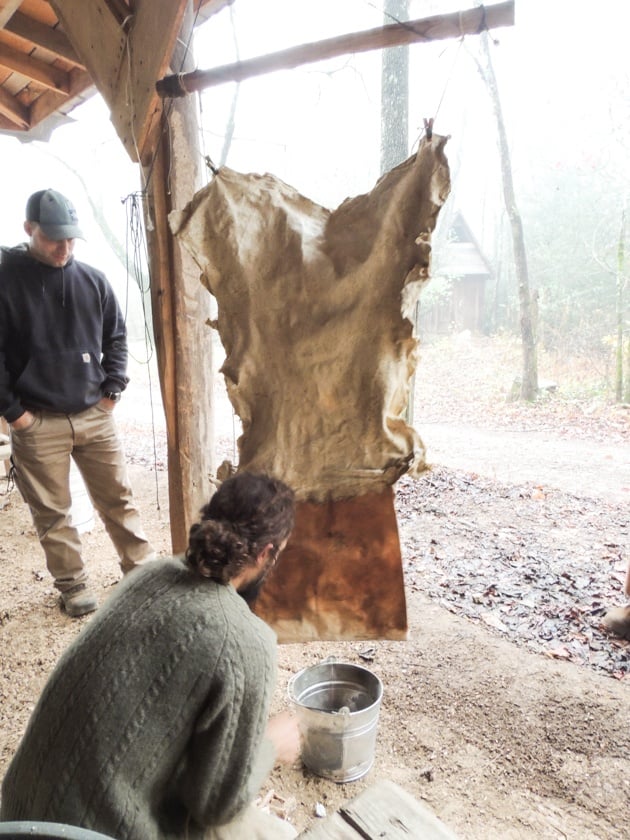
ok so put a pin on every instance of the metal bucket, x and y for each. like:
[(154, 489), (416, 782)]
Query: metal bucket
[(337, 706)]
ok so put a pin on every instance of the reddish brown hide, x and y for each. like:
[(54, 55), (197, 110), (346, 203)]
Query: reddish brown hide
[(340, 576), (316, 312)]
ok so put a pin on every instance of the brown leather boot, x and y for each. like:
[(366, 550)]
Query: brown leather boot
[(78, 600)]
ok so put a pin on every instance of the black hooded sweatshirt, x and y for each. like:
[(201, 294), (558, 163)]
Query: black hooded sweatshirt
[(63, 340)]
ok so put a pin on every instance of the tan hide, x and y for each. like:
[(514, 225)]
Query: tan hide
[(315, 314)]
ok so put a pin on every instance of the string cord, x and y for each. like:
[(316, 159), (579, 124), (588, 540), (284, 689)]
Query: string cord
[(447, 83), (136, 246), (483, 27)]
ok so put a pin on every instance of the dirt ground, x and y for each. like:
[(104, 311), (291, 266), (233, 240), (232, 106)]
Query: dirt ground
[(506, 710)]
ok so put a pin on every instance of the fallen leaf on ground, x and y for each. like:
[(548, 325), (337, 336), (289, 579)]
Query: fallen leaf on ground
[(494, 621), (558, 653)]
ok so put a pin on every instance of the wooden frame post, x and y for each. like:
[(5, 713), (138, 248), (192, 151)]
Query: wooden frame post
[(181, 309)]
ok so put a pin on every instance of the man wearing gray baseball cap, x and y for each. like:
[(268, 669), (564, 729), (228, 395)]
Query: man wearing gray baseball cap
[(55, 215), (63, 368)]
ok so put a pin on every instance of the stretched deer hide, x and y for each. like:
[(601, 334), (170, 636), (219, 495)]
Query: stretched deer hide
[(315, 312)]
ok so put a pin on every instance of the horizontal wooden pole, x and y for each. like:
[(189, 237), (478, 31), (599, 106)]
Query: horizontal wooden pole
[(436, 28)]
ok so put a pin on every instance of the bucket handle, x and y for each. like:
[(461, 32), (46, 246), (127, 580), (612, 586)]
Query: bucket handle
[(344, 711)]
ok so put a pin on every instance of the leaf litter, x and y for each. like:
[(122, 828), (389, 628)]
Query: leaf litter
[(537, 565)]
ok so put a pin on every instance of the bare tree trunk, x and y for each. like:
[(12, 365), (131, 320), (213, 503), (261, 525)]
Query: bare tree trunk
[(529, 380), (619, 389), (394, 93), (395, 120)]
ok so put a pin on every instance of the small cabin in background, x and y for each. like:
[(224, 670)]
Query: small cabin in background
[(454, 300)]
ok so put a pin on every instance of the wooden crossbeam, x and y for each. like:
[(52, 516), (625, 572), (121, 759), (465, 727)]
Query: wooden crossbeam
[(8, 10), (124, 55), (97, 38), (50, 101), (13, 111), (436, 28), (136, 107), (53, 40), (44, 74)]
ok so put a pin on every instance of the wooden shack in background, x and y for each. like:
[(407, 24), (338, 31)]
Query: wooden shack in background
[(464, 272)]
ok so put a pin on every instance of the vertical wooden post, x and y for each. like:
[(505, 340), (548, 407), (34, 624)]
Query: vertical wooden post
[(181, 308)]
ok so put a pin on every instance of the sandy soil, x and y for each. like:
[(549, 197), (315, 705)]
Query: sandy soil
[(500, 741)]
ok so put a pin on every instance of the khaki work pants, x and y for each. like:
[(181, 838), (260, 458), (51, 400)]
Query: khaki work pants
[(41, 454)]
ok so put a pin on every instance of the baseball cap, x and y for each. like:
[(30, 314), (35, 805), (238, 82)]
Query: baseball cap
[(54, 214)]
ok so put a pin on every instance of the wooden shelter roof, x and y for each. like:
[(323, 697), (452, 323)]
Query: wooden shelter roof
[(42, 77)]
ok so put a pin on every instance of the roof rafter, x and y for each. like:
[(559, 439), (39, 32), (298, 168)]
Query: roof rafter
[(8, 10), (11, 108), (56, 53), (39, 71), (53, 40)]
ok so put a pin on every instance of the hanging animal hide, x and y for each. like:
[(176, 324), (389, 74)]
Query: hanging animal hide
[(316, 314)]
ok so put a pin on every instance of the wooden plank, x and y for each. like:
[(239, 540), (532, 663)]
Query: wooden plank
[(47, 75), (386, 810), (383, 811), (98, 39), (125, 48), (436, 28), (29, 114), (81, 88), (17, 114), (120, 9), (136, 105), (124, 52), (9, 7), (209, 8), (53, 40), (333, 827), (8, 125)]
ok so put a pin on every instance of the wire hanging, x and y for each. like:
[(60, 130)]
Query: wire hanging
[(136, 246)]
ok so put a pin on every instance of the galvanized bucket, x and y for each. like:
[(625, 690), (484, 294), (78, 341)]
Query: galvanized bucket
[(337, 706)]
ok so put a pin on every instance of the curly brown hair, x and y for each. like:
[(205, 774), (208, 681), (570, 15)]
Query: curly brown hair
[(247, 513)]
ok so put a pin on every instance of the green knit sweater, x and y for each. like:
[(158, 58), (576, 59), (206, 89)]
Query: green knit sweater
[(152, 724)]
